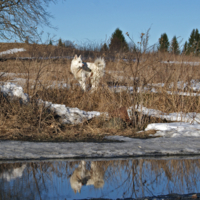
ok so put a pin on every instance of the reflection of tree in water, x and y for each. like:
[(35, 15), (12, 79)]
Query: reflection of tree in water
[(9, 172), (135, 177), (150, 176)]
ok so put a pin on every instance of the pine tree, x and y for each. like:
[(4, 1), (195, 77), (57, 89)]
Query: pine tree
[(163, 43), (60, 43), (185, 48), (50, 42), (104, 47), (194, 42), (118, 41), (174, 48)]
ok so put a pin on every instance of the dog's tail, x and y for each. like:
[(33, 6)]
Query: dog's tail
[(100, 62)]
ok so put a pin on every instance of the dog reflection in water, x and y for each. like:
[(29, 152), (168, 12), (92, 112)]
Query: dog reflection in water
[(81, 176)]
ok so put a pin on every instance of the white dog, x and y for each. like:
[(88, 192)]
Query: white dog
[(83, 71), (83, 177)]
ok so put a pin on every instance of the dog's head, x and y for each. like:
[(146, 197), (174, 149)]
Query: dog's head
[(77, 62)]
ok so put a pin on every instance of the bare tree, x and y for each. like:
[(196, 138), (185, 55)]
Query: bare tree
[(21, 18)]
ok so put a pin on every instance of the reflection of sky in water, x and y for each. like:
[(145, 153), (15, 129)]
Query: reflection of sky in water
[(113, 179)]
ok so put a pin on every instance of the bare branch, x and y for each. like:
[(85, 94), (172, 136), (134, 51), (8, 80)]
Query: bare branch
[(21, 18)]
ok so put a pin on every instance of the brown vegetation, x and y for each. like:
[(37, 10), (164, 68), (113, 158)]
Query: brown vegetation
[(131, 69)]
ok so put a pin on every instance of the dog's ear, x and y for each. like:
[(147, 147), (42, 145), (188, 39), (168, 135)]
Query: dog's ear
[(80, 56), (75, 57)]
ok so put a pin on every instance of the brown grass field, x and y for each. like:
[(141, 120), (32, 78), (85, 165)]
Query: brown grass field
[(35, 123)]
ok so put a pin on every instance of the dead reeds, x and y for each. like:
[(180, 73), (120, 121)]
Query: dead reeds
[(147, 78)]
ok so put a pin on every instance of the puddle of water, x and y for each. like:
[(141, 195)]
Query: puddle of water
[(81, 179)]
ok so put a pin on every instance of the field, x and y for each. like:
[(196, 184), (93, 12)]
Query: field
[(131, 79)]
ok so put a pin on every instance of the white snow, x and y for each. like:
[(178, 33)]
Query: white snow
[(184, 62), (191, 117), (175, 129), (70, 115), (13, 90), (184, 125), (11, 51)]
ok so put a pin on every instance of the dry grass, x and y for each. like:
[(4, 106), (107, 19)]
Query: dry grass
[(31, 122)]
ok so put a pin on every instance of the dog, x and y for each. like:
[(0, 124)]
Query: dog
[(83, 71), (79, 177), (84, 177)]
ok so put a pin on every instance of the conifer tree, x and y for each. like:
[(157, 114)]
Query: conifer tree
[(104, 47), (163, 43), (118, 41), (60, 43), (194, 42), (185, 48), (174, 47), (50, 42)]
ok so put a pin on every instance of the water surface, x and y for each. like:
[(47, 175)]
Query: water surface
[(81, 179)]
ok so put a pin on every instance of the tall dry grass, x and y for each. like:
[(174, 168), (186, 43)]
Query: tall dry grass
[(51, 80)]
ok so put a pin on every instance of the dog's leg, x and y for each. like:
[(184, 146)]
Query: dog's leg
[(83, 81), (94, 83), (83, 85)]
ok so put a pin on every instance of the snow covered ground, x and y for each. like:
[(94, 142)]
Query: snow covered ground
[(12, 51), (13, 91), (184, 62), (70, 115), (154, 88), (184, 125)]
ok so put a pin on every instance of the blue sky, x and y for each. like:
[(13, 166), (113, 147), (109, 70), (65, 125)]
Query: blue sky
[(94, 21)]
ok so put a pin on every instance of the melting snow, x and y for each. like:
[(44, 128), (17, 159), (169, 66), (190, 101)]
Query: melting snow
[(11, 51), (14, 91), (70, 115), (186, 124), (184, 62)]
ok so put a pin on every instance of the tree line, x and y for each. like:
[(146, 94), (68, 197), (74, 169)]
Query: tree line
[(118, 43), (192, 46)]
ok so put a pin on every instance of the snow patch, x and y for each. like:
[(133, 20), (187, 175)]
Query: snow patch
[(11, 51), (184, 125), (70, 115), (175, 129), (191, 117), (14, 91)]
